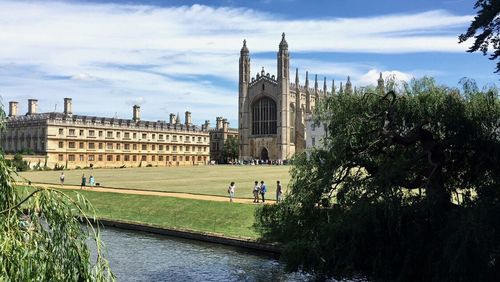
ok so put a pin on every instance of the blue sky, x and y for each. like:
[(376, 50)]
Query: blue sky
[(172, 56)]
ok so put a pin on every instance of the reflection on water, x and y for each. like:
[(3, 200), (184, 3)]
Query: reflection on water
[(136, 256)]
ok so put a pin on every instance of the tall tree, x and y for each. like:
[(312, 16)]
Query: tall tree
[(230, 151), (405, 187), (485, 28), (41, 235)]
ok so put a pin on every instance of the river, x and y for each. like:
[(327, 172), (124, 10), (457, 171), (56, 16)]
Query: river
[(137, 256)]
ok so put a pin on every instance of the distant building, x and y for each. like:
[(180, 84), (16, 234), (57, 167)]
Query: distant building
[(218, 138), (314, 134), (74, 141)]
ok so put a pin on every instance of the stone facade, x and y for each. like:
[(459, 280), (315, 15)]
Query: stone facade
[(218, 138), (272, 111), (83, 141)]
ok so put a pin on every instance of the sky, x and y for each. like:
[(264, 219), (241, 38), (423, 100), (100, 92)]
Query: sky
[(173, 56)]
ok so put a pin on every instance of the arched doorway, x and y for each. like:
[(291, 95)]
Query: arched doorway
[(264, 155)]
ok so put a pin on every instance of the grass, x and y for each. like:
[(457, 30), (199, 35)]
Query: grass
[(208, 180), (228, 219)]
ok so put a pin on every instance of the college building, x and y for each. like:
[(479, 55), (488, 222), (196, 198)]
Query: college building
[(275, 114), (71, 141), (218, 137)]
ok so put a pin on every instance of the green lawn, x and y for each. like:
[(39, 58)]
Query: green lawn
[(229, 219), (210, 180)]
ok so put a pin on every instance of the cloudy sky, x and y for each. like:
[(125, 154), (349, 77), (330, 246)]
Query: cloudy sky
[(172, 56)]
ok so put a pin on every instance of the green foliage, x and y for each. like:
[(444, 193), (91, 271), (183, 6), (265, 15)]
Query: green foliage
[(18, 163), (486, 25), (41, 239), (406, 187), (231, 149)]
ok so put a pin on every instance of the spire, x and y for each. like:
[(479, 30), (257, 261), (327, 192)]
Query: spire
[(244, 49), (348, 86), (307, 80), (283, 43), (297, 77), (316, 82), (324, 86), (178, 119), (341, 90), (333, 87), (380, 84), (262, 72)]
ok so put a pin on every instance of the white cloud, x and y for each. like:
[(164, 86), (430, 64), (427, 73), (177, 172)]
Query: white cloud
[(114, 53)]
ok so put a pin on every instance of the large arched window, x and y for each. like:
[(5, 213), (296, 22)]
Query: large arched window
[(264, 117)]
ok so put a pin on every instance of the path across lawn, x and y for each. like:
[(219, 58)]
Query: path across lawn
[(150, 193)]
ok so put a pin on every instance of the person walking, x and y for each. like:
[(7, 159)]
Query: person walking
[(61, 178), (84, 181), (263, 190), (91, 181), (256, 191), (231, 189), (279, 191)]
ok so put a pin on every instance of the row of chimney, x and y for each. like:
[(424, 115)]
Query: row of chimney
[(33, 104), (136, 116), (221, 123)]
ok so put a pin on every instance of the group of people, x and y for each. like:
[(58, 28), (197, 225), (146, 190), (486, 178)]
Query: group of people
[(91, 181), (259, 191)]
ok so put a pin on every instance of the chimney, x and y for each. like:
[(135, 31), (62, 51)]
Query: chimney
[(178, 118), (207, 124), (68, 106), (137, 113), (32, 103), (218, 125), (188, 118), (172, 118), (224, 125), (12, 108)]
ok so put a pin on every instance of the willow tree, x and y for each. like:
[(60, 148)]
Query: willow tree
[(406, 187), (42, 237)]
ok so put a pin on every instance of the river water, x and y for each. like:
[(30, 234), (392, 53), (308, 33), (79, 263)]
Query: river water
[(137, 256)]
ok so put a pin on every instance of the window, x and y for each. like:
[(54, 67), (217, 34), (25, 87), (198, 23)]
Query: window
[(61, 144), (160, 136), (127, 158), (192, 138), (313, 141), (71, 158), (153, 147), (91, 158), (153, 158), (134, 135), (81, 145), (80, 157), (174, 138), (174, 158), (313, 127), (199, 139), (100, 146), (91, 145), (167, 158), (204, 139), (99, 158), (160, 158), (154, 136), (134, 147), (109, 158), (167, 137), (187, 148), (60, 157), (264, 117), (144, 158), (91, 133), (71, 145), (72, 132), (100, 133), (174, 148), (109, 134), (180, 138), (118, 135), (160, 147), (167, 148), (204, 149), (127, 135), (134, 158), (109, 146), (144, 136), (144, 147), (118, 146), (61, 131), (118, 158)]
